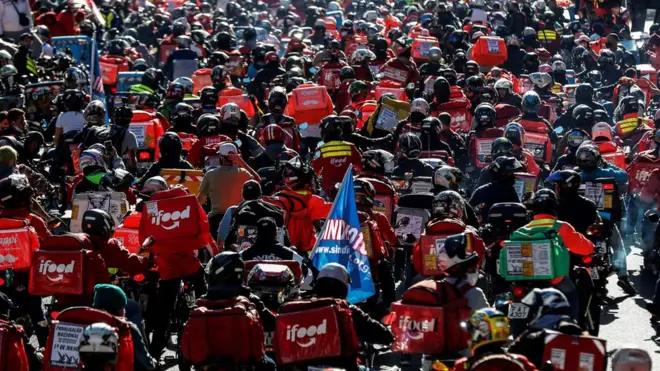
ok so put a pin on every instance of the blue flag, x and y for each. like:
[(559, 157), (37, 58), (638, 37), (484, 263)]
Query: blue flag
[(341, 241)]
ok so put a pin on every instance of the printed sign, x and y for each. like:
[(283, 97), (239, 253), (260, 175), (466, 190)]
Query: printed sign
[(596, 193), (493, 46), (388, 119), (484, 147), (558, 358), (409, 224), (140, 133), (529, 259), (66, 340)]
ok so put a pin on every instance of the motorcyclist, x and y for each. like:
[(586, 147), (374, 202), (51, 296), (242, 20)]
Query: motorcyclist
[(515, 133), (593, 167), (72, 120), (433, 66), (270, 70), (277, 101), (335, 154), (333, 281), (544, 205), (329, 71), (531, 106), (409, 150), (401, 69), (489, 333), (360, 61), (567, 184), (550, 310), (633, 127), (174, 95), (170, 157), (500, 147), (149, 82), (183, 119), (275, 150), (500, 189), (112, 299), (584, 95), (178, 56), (504, 88), (267, 247)]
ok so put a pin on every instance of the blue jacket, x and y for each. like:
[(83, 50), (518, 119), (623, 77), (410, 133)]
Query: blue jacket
[(608, 171)]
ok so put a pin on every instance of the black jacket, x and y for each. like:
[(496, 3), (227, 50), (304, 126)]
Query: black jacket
[(586, 215), (165, 162), (264, 76), (490, 194), (416, 166)]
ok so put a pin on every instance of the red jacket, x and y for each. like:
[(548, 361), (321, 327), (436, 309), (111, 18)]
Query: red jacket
[(195, 154), (117, 256), (334, 158), (398, 71)]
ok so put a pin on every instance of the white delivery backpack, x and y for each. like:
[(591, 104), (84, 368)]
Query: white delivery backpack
[(114, 203)]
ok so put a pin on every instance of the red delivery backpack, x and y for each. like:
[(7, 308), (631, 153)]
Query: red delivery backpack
[(489, 51), (568, 352), (70, 323), (174, 219), (427, 319), (205, 341), (386, 197), (17, 242), (314, 329), (431, 241), (66, 265), (373, 239), (12, 348), (297, 218)]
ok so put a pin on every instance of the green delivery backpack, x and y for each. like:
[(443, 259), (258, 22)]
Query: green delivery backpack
[(535, 252)]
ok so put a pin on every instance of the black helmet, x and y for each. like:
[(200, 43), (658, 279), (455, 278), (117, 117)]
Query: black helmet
[(208, 96), (531, 102), (226, 268), (587, 157), (182, 111), (249, 34), (74, 100), (600, 115), (332, 128), (378, 161), (576, 137), (410, 146), (74, 78), (501, 147), (473, 84), (140, 65), (594, 78), (448, 204), (364, 192), (441, 88), (531, 62), (584, 93), (504, 167), (218, 58), (170, 143), (584, 116), (629, 105), (152, 78), (346, 73), (97, 222), (484, 116), (15, 191), (566, 180), (122, 115), (208, 124), (358, 87), (606, 57), (544, 201)]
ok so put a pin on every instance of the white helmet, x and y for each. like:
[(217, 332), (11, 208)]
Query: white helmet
[(602, 129), (539, 6), (478, 3), (230, 112), (94, 113), (99, 340), (447, 177), (559, 66), (504, 84), (420, 105), (154, 184), (91, 158), (362, 55), (370, 16), (540, 79), (227, 148), (631, 359)]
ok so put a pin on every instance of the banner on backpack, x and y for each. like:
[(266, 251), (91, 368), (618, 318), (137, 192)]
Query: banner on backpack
[(66, 340), (341, 241)]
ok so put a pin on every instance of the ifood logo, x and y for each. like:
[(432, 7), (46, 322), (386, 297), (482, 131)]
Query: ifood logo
[(11, 240), (174, 217), (47, 268), (460, 118), (416, 329), (297, 334)]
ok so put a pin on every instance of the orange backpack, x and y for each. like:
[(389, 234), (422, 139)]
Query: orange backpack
[(489, 51)]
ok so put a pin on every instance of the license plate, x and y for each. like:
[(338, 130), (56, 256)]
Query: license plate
[(594, 274), (144, 165), (602, 247), (518, 311)]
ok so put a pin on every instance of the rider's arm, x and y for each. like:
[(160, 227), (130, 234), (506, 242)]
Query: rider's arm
[(369, 330), (575, 241), (238, 161), (117, 256), (140, 351)]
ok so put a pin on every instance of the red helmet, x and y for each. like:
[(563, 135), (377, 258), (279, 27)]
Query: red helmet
[(273, 132), (272, 57)]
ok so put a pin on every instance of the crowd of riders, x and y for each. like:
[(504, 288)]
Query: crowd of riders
[(167, 168)]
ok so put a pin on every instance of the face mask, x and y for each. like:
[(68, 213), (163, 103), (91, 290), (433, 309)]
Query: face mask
[(472, 278)]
